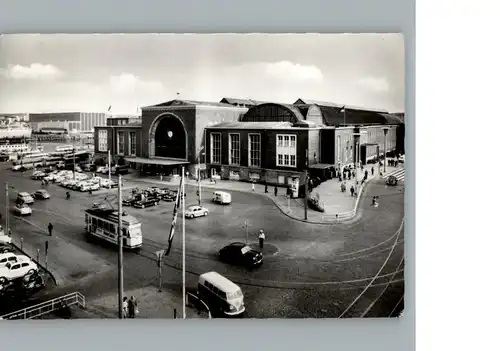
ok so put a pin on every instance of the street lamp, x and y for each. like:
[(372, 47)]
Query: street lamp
[(199, 174), (356, 152), (385, 129)]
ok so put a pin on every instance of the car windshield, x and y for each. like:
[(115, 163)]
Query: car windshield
[(234, 295), (245, 249)]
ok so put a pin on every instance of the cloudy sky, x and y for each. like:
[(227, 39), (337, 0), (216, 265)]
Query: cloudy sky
[(90, 72)]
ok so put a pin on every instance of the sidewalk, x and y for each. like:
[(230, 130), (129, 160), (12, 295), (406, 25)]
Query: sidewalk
[(151, 304), (334, 201)]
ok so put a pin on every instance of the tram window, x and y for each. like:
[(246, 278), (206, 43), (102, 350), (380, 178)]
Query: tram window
[(99, 223), (86, 218), (112, 228), (94, 222)]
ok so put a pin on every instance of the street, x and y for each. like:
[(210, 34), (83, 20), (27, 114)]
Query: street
[(311, 271)]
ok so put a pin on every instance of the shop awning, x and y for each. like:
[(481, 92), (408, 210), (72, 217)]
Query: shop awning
[(155, 161)]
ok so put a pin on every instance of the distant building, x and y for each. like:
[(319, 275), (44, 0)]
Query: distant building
[(116, 120), (70, 122)]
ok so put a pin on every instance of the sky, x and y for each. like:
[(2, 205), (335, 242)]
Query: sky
[(90, 72)]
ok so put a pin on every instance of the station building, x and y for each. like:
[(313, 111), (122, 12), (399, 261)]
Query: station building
[(169, 136), (276, 143), (250, 140)]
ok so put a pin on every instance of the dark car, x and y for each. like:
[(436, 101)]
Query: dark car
[(169, 197), (240, 254), (131, 200), (146, 202), (392, 180)]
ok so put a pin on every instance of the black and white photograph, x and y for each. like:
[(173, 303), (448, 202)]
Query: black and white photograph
[(202, 176)]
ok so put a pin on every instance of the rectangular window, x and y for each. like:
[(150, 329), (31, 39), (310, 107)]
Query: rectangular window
[(121, 143), (102, 140), (215, 147), (286, 151), (254, 150), (234, 149), (132, 143)]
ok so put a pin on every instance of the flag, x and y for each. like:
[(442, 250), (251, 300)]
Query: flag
[(109, 108), (174, 219)]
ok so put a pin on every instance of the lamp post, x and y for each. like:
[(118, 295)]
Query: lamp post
[(199, 174), (385, 129), (120, 249), (356, 153)]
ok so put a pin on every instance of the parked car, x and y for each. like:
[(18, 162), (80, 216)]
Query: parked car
[(22, 210), (196, 211), (25, 198), (19, 269), (6, 257), (146, 202), (4, 248), (241, 254), (129, 201), (168, 197), (41, 194), (89, 185), (37, 175), (5, 240)]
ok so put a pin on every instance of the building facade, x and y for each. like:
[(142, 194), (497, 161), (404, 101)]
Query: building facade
[(70, 122), (264, 142), (116, 120)]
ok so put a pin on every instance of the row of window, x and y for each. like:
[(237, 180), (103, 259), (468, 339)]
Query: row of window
[(286, 149), (120, 142)]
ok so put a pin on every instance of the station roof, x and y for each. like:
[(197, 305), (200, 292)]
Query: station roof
[(229, 100), (178, 102)]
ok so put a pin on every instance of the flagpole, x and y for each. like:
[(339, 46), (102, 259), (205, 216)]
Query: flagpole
[(183, 247)]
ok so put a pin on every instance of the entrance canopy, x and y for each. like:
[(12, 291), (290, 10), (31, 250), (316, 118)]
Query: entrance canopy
[(155, 161), (321, 166)]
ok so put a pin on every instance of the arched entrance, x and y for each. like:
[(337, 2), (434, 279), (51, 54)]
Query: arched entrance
[(168, 137)]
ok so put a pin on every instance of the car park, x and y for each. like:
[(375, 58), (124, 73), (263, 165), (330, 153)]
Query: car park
[(41, 194), (146, 202), (15, 270), (196, 211), (241, 254), (25, 198)]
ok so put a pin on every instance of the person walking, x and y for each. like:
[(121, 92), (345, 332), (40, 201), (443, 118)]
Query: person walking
[(366, 174), (266, 190), (262, 237), (373, 170), (90, 192), (253, 186), (352, 190), (50, 227), (125, 307), (275, 190), (131, 307)]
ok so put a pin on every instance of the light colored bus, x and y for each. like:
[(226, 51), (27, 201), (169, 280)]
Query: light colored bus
[(64, 148), (221, 294), (31, 159), (103, 224)]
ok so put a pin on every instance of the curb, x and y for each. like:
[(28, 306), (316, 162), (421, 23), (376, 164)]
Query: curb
[(38, 263), (336, 221)]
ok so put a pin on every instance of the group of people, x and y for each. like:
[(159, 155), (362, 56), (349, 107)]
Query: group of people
[(130, 309), (393, 162)]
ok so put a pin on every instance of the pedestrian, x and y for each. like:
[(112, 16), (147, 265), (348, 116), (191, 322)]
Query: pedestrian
[(253, 186), (131, 307), (262, 237), (125, 307), (266, 190), (50, 227), (373, 170), (10, 232), (352, 190), (366, 174), (275, 190), (90, 192)]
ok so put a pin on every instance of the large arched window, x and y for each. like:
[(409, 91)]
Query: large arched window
[(169, 138), (270, 112)]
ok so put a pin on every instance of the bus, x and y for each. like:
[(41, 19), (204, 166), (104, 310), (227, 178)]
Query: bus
[(31, 159), (103, 224), (65, 148)]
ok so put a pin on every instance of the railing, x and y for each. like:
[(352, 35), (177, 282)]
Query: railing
[(200, 301), (47, 307)]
